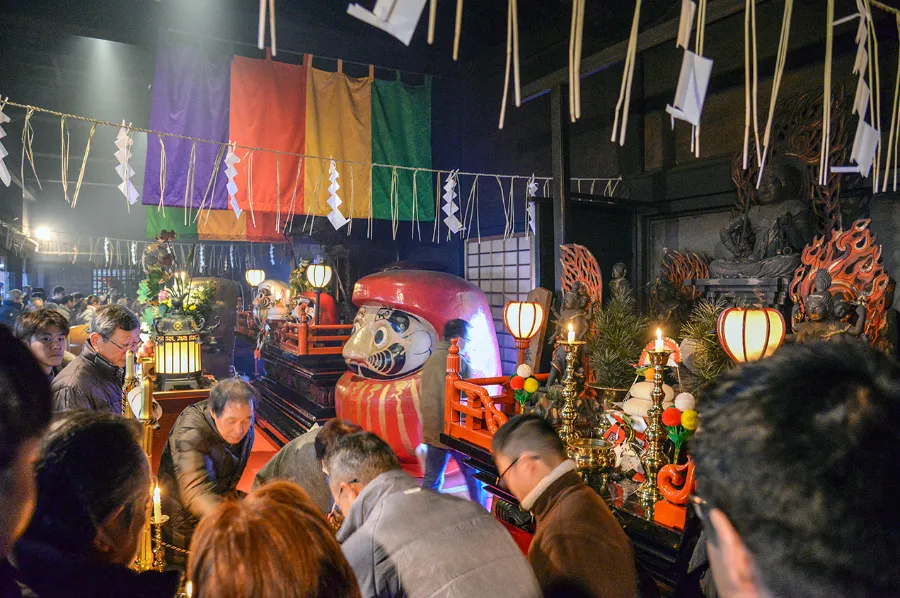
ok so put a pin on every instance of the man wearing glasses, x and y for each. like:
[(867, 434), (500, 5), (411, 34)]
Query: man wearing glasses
[(94, 380), (578, 550)]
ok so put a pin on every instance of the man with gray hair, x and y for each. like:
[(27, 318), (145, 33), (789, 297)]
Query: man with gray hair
[(402, 540), (94, 380), (11, 308)]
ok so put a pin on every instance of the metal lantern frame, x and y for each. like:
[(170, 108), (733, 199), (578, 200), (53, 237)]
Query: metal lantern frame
[(750, 334), (523, 319), (319, 276)]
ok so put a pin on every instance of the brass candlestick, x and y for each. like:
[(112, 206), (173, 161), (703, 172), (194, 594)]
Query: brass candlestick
[(568, 415), (654, 458), (159, 551)]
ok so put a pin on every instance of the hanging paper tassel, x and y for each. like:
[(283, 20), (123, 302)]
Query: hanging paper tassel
[(620, 121), (335, 217), (230, 172), (262, 24), (531, 209), (4, 171), (776, 82), (272, 253), (106, 250), (450, 208), (124, 169)]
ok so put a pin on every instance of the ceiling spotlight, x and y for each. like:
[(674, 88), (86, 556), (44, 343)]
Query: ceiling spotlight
[(42, 234)]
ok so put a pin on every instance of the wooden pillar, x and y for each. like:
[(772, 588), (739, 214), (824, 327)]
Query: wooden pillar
[(559, 134)]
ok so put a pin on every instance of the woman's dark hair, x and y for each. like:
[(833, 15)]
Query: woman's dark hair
[(24, 397), (328, 436), (232, 389), (91, 464), (273, 543), (39, 320)]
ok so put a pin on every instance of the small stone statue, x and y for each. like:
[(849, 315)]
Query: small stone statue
[(574, 312), (619, 285), (825, 316)]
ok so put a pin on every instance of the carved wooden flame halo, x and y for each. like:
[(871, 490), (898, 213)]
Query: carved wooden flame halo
[(854, 260), (579, 265), (678, 267)]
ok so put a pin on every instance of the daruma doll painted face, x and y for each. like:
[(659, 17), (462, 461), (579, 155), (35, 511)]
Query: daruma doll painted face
[(399, 324)]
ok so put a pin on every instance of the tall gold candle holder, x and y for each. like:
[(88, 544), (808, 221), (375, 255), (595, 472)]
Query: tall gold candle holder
[(654, 458), (159, 551), (568, 415)]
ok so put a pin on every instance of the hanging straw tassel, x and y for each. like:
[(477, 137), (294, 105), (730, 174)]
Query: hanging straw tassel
[(277, 191), (459, 13), (627, 76), (509, 28), (162, 174), (64, 153), (572, 34), (826, 96), (894, 118), (750, 96), (875, 96), (87, 151), (776, 83), (432, 16), (272, 24), (189, 182), (579, 34), (27, 151), (352, 200), (250, 187), (207, 200), (261, 38), (700, 44), (294, 194), (435, 237), (514, 10)]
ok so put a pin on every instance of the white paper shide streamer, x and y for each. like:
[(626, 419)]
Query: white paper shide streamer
[(450, 208), (202, 260), (335, 217), (272, 253), (230, 172), (106, 249), (4, 171), (133, 253), (123, 168), (531, 208)]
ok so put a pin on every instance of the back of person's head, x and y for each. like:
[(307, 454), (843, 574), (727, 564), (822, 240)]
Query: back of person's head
[(531, 433), (39, 292), (456, 329), (67, 299), (92, 300), (800, 454), (333, 430), (14, 295), (109, 318), (231, 390), (37, 321), (92, 475), (272, 544), (24, 415), (78, 296), (58, 290), (362, 457)]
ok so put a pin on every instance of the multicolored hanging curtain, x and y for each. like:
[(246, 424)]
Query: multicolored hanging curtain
[(268, 108), (190, 97), (401, 136), (213, 225), (339, 126)]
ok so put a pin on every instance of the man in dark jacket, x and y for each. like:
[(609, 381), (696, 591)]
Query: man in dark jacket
[(204, 457), (402, 540), (11, 308), (433, 403), (579, 549), (94, 379)]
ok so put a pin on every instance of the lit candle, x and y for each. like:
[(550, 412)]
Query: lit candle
[(659, 340), (189, 589), (157, 506), (571, 333)]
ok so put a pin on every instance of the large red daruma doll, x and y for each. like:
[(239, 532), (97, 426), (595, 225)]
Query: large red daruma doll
[(400, 320)]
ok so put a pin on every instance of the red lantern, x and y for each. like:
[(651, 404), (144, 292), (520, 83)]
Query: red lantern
[(749, 334)]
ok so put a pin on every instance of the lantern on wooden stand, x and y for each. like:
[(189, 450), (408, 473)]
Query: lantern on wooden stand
[(319, 276), (749, 334), (523, 319), (254, 277), (177, 351)]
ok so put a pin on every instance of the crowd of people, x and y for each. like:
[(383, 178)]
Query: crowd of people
[(794, 458), (76, 308)]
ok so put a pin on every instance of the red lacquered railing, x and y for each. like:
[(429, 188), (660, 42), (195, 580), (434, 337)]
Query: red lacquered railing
[(312, 339)]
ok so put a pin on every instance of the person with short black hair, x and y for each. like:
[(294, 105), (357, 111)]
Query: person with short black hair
[(93, 489), (11, 309), (302, 461), (579, 549), (432, 405), (44, 332), (204, 457), (91, 304), (402, 540), (94, 379), (66, 306), (58, 293), (36, 302), (24, 415), (796, 465)]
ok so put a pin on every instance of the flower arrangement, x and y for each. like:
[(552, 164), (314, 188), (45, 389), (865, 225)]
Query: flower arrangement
[(523, 384), (298, 281), (680, 421)]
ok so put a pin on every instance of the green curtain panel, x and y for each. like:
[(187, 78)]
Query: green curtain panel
[(172, 220), (401, 135)]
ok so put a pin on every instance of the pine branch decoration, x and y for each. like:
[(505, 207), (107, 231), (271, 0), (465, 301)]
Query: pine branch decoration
[(709, 358), (619, 334)]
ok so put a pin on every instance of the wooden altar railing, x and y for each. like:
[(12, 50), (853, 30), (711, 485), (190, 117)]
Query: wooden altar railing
[(477, 416), (311, 339)]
